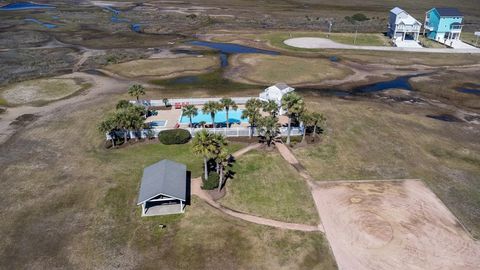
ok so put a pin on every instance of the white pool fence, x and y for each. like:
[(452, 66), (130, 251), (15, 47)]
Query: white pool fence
[(227, 132)]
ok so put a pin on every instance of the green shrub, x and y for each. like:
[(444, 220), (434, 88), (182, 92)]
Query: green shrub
[(212, 182), (174, 136), (360, 17)]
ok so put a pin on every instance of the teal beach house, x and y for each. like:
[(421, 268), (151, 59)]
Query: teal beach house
[(443, 24)]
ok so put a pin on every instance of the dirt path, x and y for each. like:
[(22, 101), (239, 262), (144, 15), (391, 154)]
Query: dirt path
[(100, 85)]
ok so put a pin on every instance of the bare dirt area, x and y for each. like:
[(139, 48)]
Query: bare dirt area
[(393, 225)]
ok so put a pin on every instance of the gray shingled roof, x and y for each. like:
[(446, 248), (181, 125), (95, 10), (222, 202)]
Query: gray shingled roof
[(396, 10), (449, 12), (165, 177)]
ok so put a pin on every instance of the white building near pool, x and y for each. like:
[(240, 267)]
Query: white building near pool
[(275, 93)]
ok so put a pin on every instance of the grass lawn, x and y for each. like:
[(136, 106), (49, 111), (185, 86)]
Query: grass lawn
[(277, 38), (365, 140), (41, 91), (266, 185), (430, 43), (470, 38), (267, 69), (166, 67)]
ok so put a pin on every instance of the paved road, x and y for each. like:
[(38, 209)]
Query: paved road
[(323, 43)]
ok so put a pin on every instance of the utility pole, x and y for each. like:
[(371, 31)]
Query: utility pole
[(330, 23), (356, 32)]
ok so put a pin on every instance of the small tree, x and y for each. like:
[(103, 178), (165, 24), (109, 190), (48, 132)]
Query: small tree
[(123, 104), (307, 119), (294, 105), (228, 104), (204, 146), (166, 102), (212, 108), (269, 128), (271, 107), (108, 125), (222, 161), (136, 90), (252, 112), (317, 119), (190, 111)]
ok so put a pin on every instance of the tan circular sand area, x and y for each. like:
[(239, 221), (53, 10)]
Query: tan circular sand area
[(40, 90)]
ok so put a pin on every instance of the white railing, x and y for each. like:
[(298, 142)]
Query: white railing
[(195, 101), (227, 132)]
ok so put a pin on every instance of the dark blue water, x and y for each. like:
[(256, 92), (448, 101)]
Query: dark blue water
[(398, 83), (115, 19), (24, 6), (136, 27), (47, 25), (227, 48), (445, 117), (469, 90)]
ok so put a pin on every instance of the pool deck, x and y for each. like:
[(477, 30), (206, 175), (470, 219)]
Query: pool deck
[(173, 115)]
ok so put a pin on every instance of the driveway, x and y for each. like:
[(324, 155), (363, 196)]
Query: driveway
[(323, 43)]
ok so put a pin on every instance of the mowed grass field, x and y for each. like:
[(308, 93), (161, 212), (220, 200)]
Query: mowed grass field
[(267, 69), (370, 140), (266, 185), (166, 67)]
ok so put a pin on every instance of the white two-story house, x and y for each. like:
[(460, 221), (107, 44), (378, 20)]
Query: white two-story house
[(402, 26)]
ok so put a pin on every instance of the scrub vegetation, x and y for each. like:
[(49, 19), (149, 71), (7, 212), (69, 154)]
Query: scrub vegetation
[(167, 67), (291, 70)]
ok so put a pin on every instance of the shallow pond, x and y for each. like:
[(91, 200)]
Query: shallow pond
[(470, 89), (445, 117), (397, 83), (226, 49), (24, 6), (47, 25)]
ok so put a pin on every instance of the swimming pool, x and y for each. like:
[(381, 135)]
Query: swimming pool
[(158, 123), (220, 117)]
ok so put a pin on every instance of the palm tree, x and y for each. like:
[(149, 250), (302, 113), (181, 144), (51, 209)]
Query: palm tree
[(202, 124), (307, 119), (228, 103), (122, 104), (219, 141), (190, 111), (166, 102), (108, 125), (271, 107), (294, 105), (252, 112), (136, 90), (269, 128), (204, 146), (222, 161), (317, 119), (122, 121), (212, 108)]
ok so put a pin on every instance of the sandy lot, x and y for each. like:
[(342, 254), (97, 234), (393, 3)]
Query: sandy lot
[(393, 225)]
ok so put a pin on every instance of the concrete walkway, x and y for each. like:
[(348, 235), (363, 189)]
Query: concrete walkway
[(323, 43)]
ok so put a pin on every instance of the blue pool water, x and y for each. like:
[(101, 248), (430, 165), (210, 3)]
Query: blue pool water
[(47, 25), (24, 6), (220, 117)]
